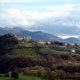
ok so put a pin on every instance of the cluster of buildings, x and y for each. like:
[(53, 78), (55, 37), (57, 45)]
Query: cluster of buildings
[(70, 47), (54, 43), (22, 39)]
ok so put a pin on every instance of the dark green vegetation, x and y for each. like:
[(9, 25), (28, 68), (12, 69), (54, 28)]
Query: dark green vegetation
[(21, 77), (36, 62)]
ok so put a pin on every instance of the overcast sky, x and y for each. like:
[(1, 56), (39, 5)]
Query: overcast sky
[(58, 17)]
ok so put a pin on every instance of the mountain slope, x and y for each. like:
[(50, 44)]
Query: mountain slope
[(73, 40), (38, 35), (44, 36)]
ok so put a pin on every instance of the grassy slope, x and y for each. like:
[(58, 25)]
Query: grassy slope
[(25, 51), (21, 77), (32, 44), (48, 50)]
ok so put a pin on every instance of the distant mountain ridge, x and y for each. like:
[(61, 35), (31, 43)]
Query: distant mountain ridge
[(37, 35), (73, 40)]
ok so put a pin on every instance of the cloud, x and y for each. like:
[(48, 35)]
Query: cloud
[(68, 36), (56, 19), (18, 17)]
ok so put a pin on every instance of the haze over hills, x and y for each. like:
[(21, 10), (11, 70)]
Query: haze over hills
[(73, 40), (37, 35)]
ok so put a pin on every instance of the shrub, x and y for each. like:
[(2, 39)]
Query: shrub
[(15, 75), (27, 72), (42, 73), (50, 75), (8, 74)]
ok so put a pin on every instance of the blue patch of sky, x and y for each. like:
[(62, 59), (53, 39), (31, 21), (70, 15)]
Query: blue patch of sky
[(33, 4), (37, 5), (74, 1), (41, 3)]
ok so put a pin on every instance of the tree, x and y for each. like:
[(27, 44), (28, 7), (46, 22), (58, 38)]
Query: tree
[(42, 74), (50, 75), (15, 75)]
